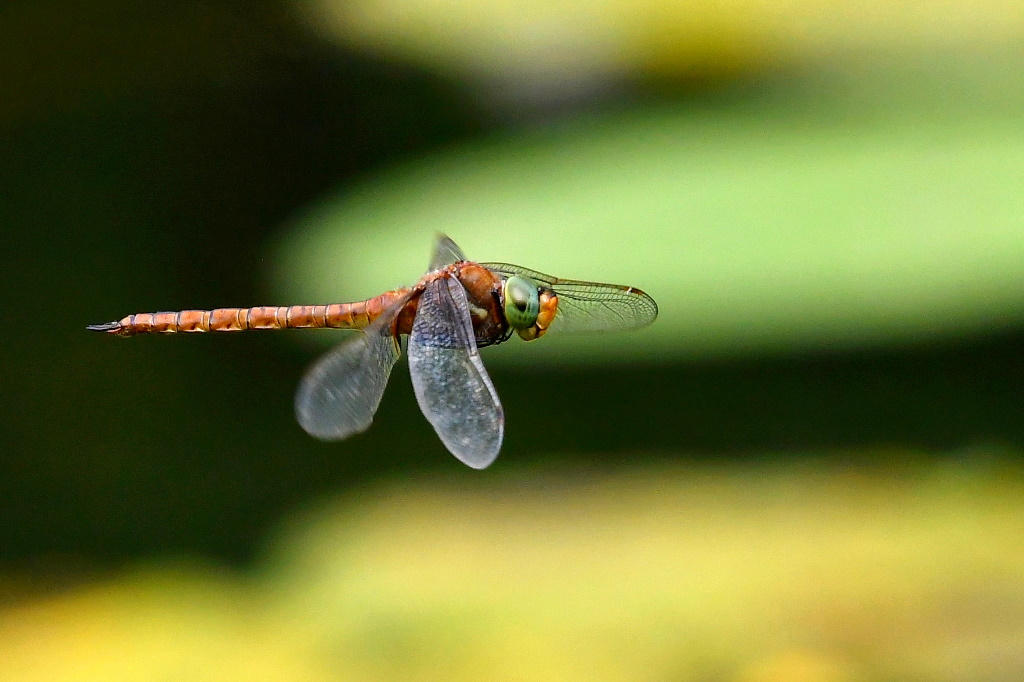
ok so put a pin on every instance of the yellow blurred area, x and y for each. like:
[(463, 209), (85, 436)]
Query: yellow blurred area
[(166, 623), (560, 37), (755, 573)]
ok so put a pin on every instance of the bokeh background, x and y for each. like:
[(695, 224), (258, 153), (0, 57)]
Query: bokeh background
[(808, 469)]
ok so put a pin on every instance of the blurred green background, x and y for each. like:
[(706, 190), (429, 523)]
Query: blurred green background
[(808, 469)]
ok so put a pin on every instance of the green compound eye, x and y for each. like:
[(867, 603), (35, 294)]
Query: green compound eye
[(522, 302)]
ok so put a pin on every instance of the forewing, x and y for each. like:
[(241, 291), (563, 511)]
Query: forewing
[(340, 392), (591, 306), (446, 252), (451, 384)]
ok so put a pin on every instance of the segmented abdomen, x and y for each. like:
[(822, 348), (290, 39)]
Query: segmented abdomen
[(336, 316)]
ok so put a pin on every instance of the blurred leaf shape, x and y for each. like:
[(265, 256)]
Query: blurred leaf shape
[(817, 573), (758, 228), (565, 41)]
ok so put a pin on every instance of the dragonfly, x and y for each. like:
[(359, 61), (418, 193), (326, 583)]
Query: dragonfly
[(456, 308)]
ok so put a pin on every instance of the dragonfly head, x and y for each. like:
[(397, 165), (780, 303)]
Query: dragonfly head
[(529, 308)]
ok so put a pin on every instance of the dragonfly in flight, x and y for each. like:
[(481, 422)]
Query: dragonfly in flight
[(456, 308)]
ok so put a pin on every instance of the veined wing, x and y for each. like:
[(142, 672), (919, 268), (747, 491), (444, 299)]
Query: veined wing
[(451, 384), (446, 252), (341, 391), (590, 306)]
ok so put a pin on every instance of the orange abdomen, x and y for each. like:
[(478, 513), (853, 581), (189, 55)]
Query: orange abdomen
[(335, 316)]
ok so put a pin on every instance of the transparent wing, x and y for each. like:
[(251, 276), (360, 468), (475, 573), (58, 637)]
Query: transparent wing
[(451, 385), (340, 392), (446, 252), (591, 306)]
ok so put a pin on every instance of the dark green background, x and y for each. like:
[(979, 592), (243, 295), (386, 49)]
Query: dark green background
[(147, 155)]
